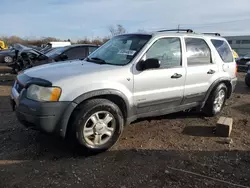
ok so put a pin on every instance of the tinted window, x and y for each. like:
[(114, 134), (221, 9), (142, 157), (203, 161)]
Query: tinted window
[(230, 42), (167, 50), (198, 52), (76, 53), (223, 49), (92, 49)]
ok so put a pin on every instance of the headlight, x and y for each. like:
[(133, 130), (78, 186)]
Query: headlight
[(39, 93)]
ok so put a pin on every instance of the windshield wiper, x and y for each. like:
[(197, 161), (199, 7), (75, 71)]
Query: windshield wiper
[(96, 60)]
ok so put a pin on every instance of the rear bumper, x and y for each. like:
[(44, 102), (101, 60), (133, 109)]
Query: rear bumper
[(50, 117)]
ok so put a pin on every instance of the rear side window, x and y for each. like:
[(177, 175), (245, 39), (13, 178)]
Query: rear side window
[(198, 52), (223, 49)]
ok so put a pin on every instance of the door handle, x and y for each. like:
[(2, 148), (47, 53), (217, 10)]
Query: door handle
[(176, 75), (211, 71)]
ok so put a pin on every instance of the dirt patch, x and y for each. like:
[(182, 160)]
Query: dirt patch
[(177, 150)]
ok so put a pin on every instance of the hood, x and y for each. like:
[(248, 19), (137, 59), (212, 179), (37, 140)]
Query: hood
[(6, 52), (55, 72)]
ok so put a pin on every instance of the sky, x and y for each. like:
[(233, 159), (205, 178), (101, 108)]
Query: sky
[(76, 19)]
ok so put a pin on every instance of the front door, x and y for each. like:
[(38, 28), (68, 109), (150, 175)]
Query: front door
[(156, 90)]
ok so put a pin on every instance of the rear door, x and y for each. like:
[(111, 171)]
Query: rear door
[(201, 71)]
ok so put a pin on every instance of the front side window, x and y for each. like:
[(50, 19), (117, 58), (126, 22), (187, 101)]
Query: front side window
[(167, 51), (198, 52), (120, 50), (223, 49)]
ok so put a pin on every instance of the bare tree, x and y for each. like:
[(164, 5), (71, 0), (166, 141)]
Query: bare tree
[(119, 29)]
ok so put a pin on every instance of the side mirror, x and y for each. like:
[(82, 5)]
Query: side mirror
[(149, 64), (63, 57)]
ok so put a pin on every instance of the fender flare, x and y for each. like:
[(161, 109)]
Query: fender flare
[(213, 86), (65, 121), (100, 92)]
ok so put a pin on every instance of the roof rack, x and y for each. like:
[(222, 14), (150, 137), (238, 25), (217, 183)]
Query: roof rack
[(178, 30), (216, 34)]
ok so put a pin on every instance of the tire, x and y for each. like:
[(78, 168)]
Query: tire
[(247, 80), (83, 125), (212, 109)]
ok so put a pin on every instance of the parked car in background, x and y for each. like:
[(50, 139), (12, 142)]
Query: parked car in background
[(51, 45), (3, 45), (242, 63), (8, 56), (22, 55), (31, 58), (247, 78), (35, 47), (129, 77), (59, 44)]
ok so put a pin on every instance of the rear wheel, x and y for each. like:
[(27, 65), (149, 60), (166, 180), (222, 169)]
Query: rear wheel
[(98, 125), (216, 100)]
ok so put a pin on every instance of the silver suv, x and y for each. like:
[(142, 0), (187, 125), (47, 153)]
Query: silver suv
[(129, 77)]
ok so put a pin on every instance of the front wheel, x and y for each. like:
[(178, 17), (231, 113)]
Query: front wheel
[(98, 124), (216, 100)]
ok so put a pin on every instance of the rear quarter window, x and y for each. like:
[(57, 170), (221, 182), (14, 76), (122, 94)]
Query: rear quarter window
[(223, 49)]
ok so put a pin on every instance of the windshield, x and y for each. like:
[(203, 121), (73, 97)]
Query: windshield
[(55, 52), (19, 47), (120, 50)]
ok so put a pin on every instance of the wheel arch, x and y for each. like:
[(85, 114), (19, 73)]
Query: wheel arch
[(113, 95), (214, 85)]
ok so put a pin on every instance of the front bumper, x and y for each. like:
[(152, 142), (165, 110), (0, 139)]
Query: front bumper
[(44, 116)]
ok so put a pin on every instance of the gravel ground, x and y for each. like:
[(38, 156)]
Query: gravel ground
[(177, 150)]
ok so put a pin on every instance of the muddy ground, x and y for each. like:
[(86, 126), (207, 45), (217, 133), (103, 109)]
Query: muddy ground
[(177, 150)]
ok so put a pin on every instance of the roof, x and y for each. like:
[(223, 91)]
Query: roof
[(175, 33)]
